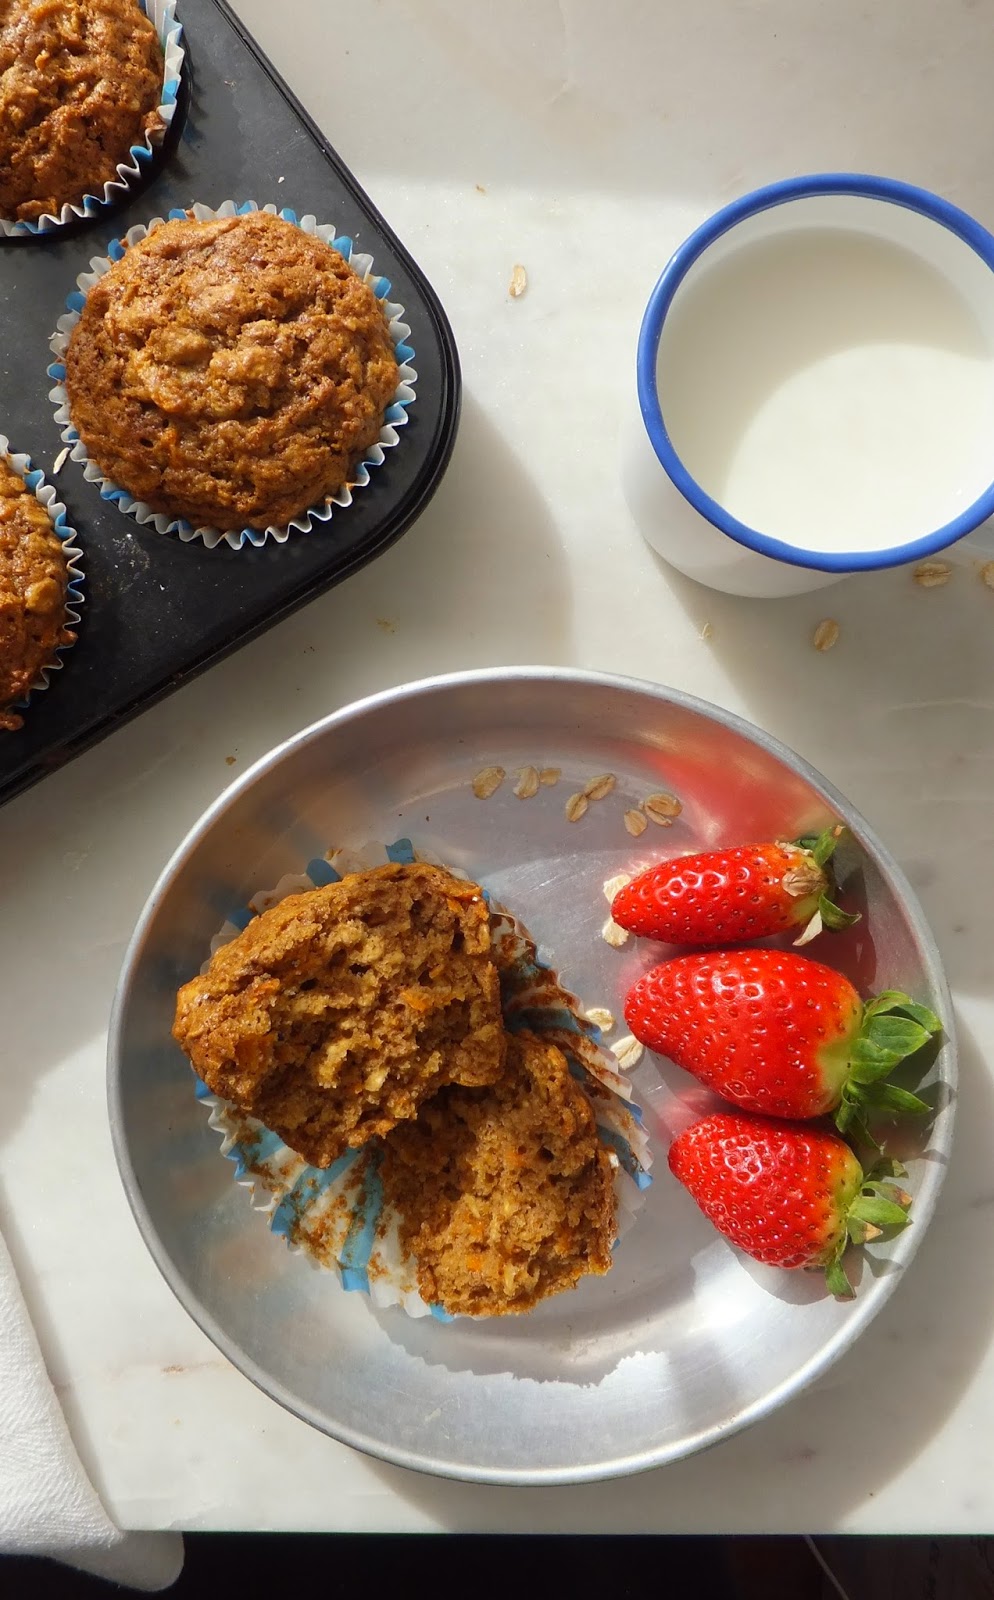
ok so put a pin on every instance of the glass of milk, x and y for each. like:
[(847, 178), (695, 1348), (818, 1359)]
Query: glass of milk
[(816, 388)]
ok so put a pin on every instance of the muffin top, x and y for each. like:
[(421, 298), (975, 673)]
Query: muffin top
[(80, 83), (335, 1013), (506, 1194), (231, 372), (33, 581)]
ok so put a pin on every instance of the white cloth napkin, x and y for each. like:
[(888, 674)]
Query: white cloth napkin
[(48, 1506)]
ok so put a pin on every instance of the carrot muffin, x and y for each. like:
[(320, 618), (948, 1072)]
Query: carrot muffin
[(333, 1015), (33, 583), (232, 372), (506, 1194), (80, 83)]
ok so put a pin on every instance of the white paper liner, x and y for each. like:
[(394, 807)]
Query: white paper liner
[(395, 416), (337, 1217), (44, 493), (162, 14)]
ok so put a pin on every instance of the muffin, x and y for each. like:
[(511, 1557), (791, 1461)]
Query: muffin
[(232, 372), (506, 1194), (80, 83), (333, 1015), (33, 584)]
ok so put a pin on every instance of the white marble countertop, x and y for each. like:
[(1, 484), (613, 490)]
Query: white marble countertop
[(583, 141)]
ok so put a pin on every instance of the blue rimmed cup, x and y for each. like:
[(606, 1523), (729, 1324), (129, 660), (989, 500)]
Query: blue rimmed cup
[(887, 226), (134, 162), (394, 418)]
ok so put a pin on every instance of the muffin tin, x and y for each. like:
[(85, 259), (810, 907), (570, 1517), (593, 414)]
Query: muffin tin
[(159, 611)]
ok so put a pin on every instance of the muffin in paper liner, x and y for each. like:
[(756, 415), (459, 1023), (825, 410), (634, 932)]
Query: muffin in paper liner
[(45, 494), (337, 1216), (395, 416), (162, 15)]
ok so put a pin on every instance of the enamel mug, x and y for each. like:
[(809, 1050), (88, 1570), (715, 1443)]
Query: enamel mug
[(815, 390)]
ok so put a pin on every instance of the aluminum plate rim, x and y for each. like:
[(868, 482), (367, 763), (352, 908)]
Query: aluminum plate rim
[(864, 1311)]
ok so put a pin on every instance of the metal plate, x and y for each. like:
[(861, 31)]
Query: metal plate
[(685, 1340)]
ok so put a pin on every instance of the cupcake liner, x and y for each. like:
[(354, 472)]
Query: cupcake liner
[(338, 1217), (44, 493), (395, 416), (162, 15)]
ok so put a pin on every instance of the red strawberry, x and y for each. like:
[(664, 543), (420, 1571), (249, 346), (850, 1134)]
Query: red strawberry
[(787, 1196), (726, 896), (777, 1033)]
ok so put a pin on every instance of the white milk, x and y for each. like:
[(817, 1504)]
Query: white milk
[(830, 389)]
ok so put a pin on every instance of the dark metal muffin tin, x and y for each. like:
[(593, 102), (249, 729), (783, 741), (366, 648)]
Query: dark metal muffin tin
[(158, 611)]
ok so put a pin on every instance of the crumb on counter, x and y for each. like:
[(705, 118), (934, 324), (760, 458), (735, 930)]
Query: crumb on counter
[(826, 634), (933, 574)]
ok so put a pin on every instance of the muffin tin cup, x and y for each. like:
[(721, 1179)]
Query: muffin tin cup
[(337, 1217), (162, 14), (394, 418), (45, 494)]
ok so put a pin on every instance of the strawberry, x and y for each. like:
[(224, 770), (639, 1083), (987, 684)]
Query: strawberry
[(788, 1196), (727, 896), (777, 1033)]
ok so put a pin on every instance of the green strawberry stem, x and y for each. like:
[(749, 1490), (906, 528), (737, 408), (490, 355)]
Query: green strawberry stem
[(821, 847), (879, 1206), (893, 1028), (837, 1281), (834, 917)]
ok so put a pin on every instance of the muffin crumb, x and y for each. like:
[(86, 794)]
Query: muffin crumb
[(826, 635), (488, 781)]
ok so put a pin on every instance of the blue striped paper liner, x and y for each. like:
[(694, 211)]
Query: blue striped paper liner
[(162, 14), (45, 494), (337, 1216), (394, 417)]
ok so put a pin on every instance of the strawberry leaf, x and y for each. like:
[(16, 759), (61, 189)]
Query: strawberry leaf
[(850, 1117), (888, 1097), (896, 1000), (861, 1232), (887, 1167), (923, 1016), (886, 1000), (879, 1213), (870, 1061), (833, 916), (837, 1281), (884, 1041), (820, 848), (889, 1191), (822, 845), (847, 1111), (899, 1034)]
